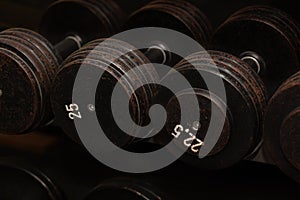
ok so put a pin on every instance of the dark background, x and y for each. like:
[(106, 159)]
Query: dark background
[(27, 13), (76, 172)]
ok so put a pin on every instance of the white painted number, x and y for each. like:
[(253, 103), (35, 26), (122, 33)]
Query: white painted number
[(196, 147), (178, 129), (73, 110), (188, 142), (192, 141)]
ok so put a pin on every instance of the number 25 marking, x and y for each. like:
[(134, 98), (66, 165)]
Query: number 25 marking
[(73, 110)]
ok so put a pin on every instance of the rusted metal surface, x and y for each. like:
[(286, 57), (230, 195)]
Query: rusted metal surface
[(270, 33), (205, 100), (21, 180), (281, 127), (89, 19), (43, 64), (29, 61), (165, 13), (18, 105), (177, 15), (246, 100), (125, 188), (110, 57)]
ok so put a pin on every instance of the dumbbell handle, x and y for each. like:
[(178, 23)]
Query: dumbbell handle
[(67, 46), (255, 61), (157, 54)]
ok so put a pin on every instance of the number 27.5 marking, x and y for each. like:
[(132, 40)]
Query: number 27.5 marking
[(73, 110)]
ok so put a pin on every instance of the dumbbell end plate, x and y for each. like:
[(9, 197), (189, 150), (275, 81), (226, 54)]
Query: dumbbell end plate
[(18, 105)]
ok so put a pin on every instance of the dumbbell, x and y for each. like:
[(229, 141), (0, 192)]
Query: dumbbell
[(281, 128), (29, 62), (287, 6), (22, 181), (124, 188), (218, 12), (267, 38), (263, 49), (172, 15), (100, 53), (178, 15)]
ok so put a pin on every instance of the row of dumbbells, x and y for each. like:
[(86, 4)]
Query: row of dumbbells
[(256, 49), (79, 178)]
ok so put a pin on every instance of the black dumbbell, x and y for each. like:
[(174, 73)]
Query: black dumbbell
[(158, 14), (266, 37), (29, 62), (172, 15), (265, 44), (22, 181), (176, 15), (281, 128), (218, 12), (288, 6), (124, 188)]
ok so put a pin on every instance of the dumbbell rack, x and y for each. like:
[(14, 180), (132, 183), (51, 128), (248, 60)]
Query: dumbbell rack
[(76, 172)]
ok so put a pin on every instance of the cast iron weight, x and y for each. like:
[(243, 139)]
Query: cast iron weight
[(109, 57), (264, 35), (281, 128), (172, 15), (162, 13), (29, 62), (22, 181), (266, 40), (243, 111), (124, 188), (178, 15)]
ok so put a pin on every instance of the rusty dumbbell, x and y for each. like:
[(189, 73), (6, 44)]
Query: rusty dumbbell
[(20, 180), (112, 57), (262, 49), (125, 188), (176, 15), (281, 128), (172, 15), (267, 38), (29, 62)]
